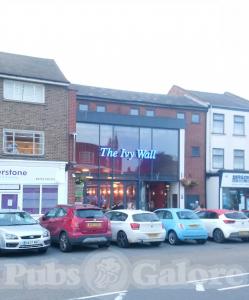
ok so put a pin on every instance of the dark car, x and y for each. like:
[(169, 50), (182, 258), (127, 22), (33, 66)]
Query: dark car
[(71, 225)]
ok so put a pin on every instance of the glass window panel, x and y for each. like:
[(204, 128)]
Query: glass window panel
[(180, 116), (83, 107), (31, 198), (218, 123), (106, 141), (239, 159), (105, 195), (87, 147), (118, 194), (195, 118), (196, 151), (218, 158), (49, 197), (100, 108), (126, 139), (8, 89), (18, 90), (239, 125), (134, 112), (167, 160), (150, 113), (146, 144), (29, 92)]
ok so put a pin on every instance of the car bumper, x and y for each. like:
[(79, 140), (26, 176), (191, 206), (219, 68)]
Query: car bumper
[(24, 245), (192, 235), (90, 240), (147, 237)]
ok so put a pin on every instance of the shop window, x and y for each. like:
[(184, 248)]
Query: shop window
[(23, 91), (218, 158), (134, 111), (150, 113), (239, 125), (24, 142), (239, 159), (180, 116), (218, 123)]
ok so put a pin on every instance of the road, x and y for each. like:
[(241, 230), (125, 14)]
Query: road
[(187, 271)]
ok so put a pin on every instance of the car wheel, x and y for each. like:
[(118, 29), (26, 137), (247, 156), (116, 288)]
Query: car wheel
[(201, 242), (218, 236), (122, 240), (155, 244), (106, 245), (64, 243), (42, 250), (173, 238)]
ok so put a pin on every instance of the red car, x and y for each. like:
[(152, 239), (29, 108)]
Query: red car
[(71, 225)]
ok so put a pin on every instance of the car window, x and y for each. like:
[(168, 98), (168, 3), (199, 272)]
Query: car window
[(186, 215), (202, 214), (61, 212), (145, 217), (119, 216), (212, 215), (160, 214), (168, 215), (109, 215), (16, 218), (235, 215), (52, 213), (89, 213)]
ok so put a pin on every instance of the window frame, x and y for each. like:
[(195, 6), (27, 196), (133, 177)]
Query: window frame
[(217, 155), (99, 108), (14, 85), (239, 157), (238, 123), (134, 109), (14, 131), (214, 129)]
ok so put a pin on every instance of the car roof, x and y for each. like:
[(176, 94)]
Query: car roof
[(132, 211), (78, 206), (174, 209), (218, 211)]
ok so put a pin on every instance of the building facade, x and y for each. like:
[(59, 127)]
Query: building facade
[(130, 149), (34, 129), (227, 161)]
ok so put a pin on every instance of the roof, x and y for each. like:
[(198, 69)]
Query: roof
[(99, 93), (30, 67), (225, 100)]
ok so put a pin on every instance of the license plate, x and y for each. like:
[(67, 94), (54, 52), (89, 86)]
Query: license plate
[(244, 233), (94, 225), (32, 242), (152, 234)]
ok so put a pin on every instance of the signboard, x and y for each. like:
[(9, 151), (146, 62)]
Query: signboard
[(129, 155), (235, 180)]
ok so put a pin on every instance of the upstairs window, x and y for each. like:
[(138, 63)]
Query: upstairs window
[(150, 113), (180, 115), (195, 151), (218, 158), (83, 107), (100, 108), (239, 159), (239, 125), (218, 123), (24, 142), (134, 112), (23, 91), (195, 118)]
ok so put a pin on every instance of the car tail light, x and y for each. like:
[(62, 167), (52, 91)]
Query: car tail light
[(135, 226), (180, 226), (229, 221), (75, 224)]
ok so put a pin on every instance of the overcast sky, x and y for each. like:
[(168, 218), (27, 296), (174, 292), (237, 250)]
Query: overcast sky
[(139, 45)]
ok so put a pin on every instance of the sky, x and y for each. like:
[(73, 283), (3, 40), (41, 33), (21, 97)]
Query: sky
[(136, 45)]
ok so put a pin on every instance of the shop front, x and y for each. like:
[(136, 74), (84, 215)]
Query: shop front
[(34, 186), (234, 191), (127, 166)]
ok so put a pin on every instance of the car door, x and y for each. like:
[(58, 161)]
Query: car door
[(210, 220), (118, 223), (57, 224), (48, 221)]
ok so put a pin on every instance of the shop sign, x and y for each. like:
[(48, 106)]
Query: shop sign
[(235, 179), (129, 155)]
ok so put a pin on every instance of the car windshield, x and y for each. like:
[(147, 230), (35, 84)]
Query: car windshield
[(235, 215), (89, 213), (186, 215), (16, 218), (145, 217)]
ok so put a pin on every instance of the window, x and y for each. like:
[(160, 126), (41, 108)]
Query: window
[(83, 107), (196, 151), (100, 108), (239, 125), (218, 123), (134, 112), (23, 91), (24, 142), (150, 113), (180, 116), (168, 215), (238, 159), (218, 158), (195, 118)]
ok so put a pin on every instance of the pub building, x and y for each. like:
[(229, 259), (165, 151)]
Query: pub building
[(129, 148)]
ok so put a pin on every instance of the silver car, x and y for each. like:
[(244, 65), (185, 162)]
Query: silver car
[(19, 231)]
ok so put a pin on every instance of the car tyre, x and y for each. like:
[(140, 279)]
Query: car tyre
[(122, 240), (201, 242), (173, 238), (218, 236), (106, 245), (64, 243), (155, 244)]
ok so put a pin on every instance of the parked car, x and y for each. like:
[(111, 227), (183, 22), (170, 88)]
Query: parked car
[(225, 224), (20, 232), (246, 212), (182, 225), (135, 226), (71, 225)]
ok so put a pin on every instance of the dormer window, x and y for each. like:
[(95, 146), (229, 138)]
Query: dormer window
[(23, 91)]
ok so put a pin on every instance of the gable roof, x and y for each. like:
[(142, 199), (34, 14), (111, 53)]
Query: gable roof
[(97, 93), (30, 67)]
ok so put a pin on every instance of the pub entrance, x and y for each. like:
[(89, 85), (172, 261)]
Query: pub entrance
[(157, 195)]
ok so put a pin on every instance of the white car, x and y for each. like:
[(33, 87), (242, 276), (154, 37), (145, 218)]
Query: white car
[(19, 231), (225, 224), (135, 226)]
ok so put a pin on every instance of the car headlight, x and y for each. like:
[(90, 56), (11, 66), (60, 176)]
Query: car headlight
[(46, 233), (9, 236)]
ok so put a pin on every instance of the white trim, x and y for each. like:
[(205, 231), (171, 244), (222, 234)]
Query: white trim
[(34, 80)]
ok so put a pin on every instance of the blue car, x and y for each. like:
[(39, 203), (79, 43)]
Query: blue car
[(182, 225)]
